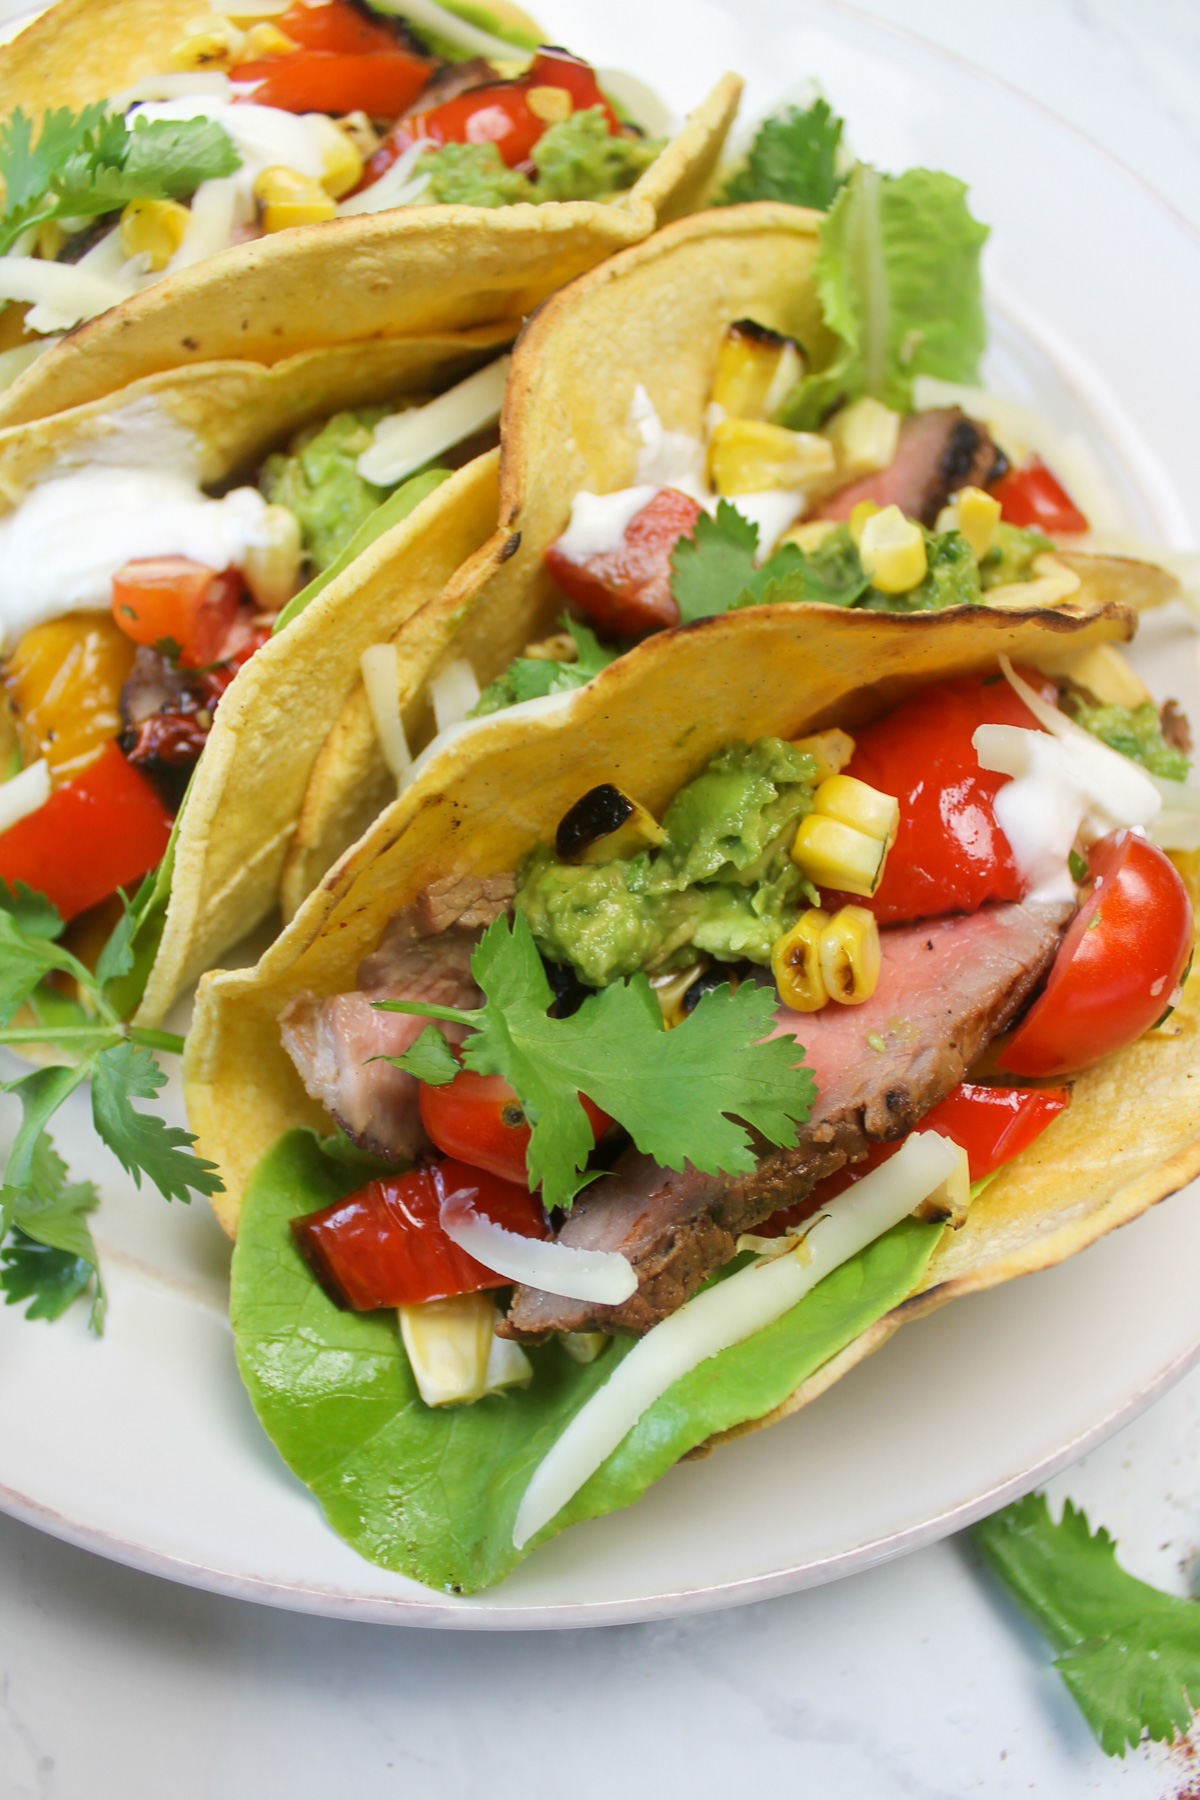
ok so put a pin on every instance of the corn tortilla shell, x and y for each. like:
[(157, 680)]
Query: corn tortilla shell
[(653, 315), (409, 272), (647, 723)]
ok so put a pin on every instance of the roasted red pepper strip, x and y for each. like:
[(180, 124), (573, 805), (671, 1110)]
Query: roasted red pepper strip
[(103, 829), (379, 83), (384, 1245), (170, 600), (628, 590), (336, 26), (1032, 496)]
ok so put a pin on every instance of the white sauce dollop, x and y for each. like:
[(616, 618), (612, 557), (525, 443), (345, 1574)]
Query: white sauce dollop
[(599, 521)]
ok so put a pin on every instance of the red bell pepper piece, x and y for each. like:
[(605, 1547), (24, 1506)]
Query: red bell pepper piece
[(382, 83), (1033, 497), (103, 829), (170, 600), (336, 26), (383, 1245), (629, 589)]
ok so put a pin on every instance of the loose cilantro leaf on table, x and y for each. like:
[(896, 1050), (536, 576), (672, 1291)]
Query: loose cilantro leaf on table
[(1129, 1653), (91, 162), (793, 158), (531, 677), (684, 1096), (48, 1257)]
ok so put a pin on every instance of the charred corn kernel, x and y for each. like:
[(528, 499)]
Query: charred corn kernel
[(948, 1204), (893, 551), (746, 456), (834, 855), (265, 39), (796, 963), (153, 228), (362, 134), (976, 514), (288, 198), (756, 368), (448, 1344), (271, 560), (559, 648), (850, 958), (214, 42), (866, 509), (584, 1346), (340, 156), (810, 535), (550, 103), (64, 683), (670, 990), (50, 239), (605, 825), (864, 436), (856, 803), (831, 750)]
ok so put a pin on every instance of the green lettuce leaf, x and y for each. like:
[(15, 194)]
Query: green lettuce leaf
[(897, 271), (433, 1493)]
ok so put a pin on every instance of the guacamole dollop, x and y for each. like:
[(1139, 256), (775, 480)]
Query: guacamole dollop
[(1011, 556), (576, 158), (723, 882), (317, 479), (1136, 731)]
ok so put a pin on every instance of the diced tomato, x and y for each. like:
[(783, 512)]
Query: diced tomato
[(993, 1124), (1117, 967), (478, 1118), (555, 67), (103, 829), (1032, 496), (170, 600), (950, 854), (384, 1245), (629, 589), (381, 83), (335, 26)]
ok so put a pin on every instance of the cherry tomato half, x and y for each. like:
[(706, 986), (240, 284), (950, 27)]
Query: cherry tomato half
[(1116, 968), (1032, 496), (170, 600), (478, 1118), (103, 829), (629, 589), (384, 1245)]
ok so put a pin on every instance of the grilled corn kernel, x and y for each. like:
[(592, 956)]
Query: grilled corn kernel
[(605, 825), (866, 509), (341, 159), (976, 514), (64, 683), (893, 551), (746, 456), (855, 803), (811, 534), (584, 1346), (153, 228), (288, 198), (831, 751), (362, 134), (213, 42), (271, 560), (947, 1205), (265, 39), (796, 963), (864, 436), (550, 103), (756, 368), (448, 1344), (670, 990), (834, 855), (850, 958)]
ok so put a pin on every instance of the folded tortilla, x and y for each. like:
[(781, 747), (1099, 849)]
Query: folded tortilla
[(655, 315), (399, 274)]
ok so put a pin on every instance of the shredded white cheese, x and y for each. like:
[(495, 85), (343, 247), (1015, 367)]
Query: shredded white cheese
[(380, 672), (24, 793), (602, 1276), (407, 440)]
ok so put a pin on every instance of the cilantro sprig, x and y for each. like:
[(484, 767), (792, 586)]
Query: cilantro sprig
[(532, 677), (48, 1254), (794, 157), (83, 164), (684, 1096), (714, 570), (1129, 1653)]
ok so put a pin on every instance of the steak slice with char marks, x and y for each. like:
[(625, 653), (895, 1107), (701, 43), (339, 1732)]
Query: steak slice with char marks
[(939, 452), (944, 991)]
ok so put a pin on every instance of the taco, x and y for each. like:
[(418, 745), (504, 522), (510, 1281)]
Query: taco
[(181, 189), (616, 904), (644, 398), (163, 643)]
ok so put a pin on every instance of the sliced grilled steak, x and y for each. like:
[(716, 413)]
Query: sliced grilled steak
[(424, 954), (938, 453), (945, 989)]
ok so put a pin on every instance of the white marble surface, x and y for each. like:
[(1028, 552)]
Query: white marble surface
[(918, 1679)]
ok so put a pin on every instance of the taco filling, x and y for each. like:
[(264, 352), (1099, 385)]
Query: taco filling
[(877, 954), (316, 113)]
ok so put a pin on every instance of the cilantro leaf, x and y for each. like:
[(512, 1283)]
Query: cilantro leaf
[(531, 677), (142, 1143), (30, 911), (23, 963), (1129, 1653), (430, 1059), (831, 574), (41, 1093), (710, 569), (682, 1095), (50, 1258), (793, 158), (167, 159)]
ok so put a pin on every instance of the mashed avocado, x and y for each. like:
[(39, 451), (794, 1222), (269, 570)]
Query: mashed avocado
[(1011, 556), (1135, 731), (723, 882), (575, 159), (316, 478), (471, 175), (952, 579)]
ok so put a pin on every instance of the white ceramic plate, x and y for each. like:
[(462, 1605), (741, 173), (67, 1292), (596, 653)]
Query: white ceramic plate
[(143, 1446)]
